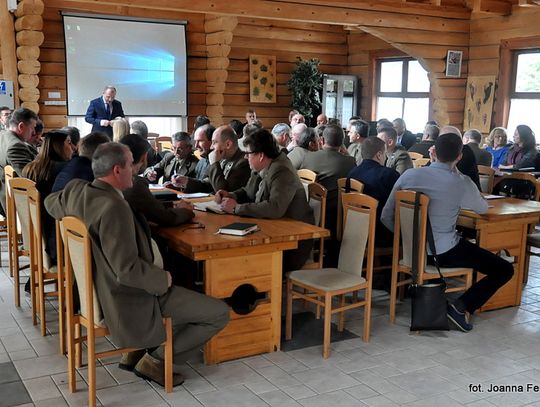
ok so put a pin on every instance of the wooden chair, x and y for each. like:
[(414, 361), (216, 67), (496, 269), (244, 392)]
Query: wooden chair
[(306, 177), (420, 162), (403, 230), (152, 137), (312, 285), (163, 143), (9, 173), (78, 263), (17, 198), (415, 156), (317, 201), (355, 186), (486, 175), (44, 272)]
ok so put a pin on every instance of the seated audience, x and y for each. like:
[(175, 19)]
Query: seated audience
[(307, 141), (396, 156), (378, 182), (139, 127), (139, 196), (383, 123), (322, 119), (273, 191), (497, 145), (281, 133), (467, 164), (473, 138), (296, 131), (181, 162), (200, 121), (251, 117), (296, 118), (228, 168), (14, 149), (358, 133), (135, 294), (431, 132), (237, 126), (54, 155), (35, 141), (449, 191), (404, 136), (248, 129), (523, 153), (75, 137)]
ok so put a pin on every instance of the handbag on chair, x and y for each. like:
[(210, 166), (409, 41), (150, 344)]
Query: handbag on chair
[(428, 300)]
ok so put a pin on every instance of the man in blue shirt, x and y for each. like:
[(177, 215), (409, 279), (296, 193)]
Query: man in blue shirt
[(449, 191)]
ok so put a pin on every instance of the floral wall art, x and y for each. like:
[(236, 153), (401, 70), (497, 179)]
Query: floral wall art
[(262, 79)]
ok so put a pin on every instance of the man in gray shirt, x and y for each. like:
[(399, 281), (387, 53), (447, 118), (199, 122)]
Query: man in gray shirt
[(449, 191)]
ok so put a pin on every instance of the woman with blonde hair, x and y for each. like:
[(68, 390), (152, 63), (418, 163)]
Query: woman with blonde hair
[(498, 146), (120, 127)]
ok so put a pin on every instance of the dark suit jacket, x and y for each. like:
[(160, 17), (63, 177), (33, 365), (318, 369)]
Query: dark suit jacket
[(14, 152), (96, 112), (467, 165), (378, 183), (142, 201), (127, 282), (408, 139), (77, 168), (422, 148), (482, 156)]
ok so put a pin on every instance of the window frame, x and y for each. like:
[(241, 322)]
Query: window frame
[(404, 93), (513, 94)]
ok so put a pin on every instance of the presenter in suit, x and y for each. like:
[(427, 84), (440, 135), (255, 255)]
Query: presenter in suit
[(102, 110)]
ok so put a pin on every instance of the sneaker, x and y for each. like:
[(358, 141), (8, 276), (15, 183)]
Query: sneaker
[(458, 318), (130, 359), (150, 368)]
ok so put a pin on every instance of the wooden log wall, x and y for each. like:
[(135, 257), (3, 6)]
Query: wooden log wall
[(487, 36), (285, 40), (361, 46), (52, 58)]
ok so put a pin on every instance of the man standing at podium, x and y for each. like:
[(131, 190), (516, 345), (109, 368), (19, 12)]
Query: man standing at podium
[(103, 110)]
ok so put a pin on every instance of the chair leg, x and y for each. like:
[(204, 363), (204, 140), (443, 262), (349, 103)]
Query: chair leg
[(91, 356), (341, 318), (168, 348), (393, 296), (288, 311), (78, 346), (367, 315), (41, 297), (16, 275), (33, 294), (61, 311), (327, 325), (71, 352)]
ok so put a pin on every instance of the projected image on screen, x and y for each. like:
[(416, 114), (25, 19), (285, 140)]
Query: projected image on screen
[(146, 61)]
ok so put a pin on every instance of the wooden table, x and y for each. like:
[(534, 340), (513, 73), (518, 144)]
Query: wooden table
[(504, 228), (232, 261)]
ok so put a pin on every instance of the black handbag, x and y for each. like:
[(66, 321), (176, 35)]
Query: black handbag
[(428, 300)]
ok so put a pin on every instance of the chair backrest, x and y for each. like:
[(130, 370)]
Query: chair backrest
[(306, 175), (34, 208), (19, 188), (317, 201), (163, 143), (9, 174), (354, 186), (360, 214), (520, 185), (420, 162), (486, 175), (78, 263), (404, 226), (415, 156)]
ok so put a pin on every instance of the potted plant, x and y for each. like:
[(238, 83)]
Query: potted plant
[(305, 85)]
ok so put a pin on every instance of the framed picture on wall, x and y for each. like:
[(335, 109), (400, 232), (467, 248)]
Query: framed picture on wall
[(453, 64), (479, 103), (262, 79)]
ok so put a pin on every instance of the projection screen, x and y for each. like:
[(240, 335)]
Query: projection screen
[(144, 59)]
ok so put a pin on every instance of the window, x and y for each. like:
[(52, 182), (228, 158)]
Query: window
[(402, 90), (525, 91)]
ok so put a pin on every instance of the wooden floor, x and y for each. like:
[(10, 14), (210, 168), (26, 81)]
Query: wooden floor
[(395, 368)]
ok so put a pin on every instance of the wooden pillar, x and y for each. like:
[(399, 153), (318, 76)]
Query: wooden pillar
[(219, 37), (8, 54), (29, 37)]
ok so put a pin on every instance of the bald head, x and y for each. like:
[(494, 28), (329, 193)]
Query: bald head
[(450, 129)]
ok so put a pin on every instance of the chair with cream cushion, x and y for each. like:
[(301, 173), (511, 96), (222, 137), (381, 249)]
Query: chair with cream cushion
[(403, 233), (44, 272), (320, 286), (78, 265), (354, 186), (317, 201), (486, 175)]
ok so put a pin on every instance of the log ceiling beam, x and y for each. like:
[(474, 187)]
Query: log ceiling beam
[(369, 13), (498, 7), (529, 3)]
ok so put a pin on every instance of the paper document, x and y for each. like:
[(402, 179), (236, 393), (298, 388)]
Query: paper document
[(210, 206), (494, 196), (193, 195)]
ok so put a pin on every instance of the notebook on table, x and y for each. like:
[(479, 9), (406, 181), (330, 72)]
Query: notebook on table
[(210, 206), (238, 229)]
